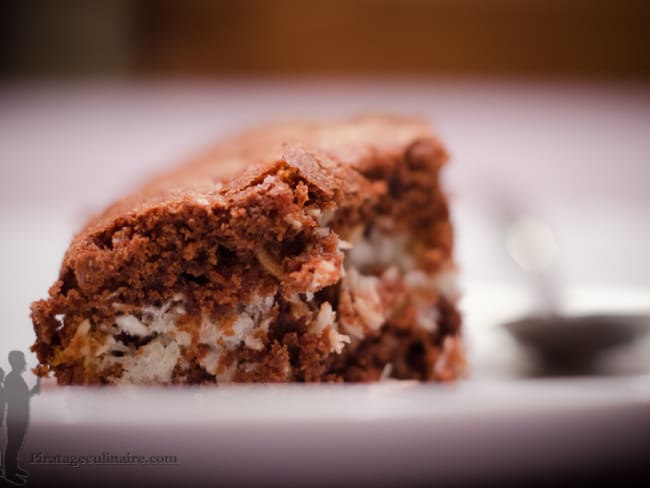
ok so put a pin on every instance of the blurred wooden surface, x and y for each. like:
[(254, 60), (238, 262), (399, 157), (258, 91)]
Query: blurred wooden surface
[(575, 38)]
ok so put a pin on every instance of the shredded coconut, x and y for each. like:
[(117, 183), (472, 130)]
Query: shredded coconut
[(366, 299), (391, 274), (326, 316), (337, 340), (151, 363), (154, 319), (254, 343), (322, 231), (245, 328), (326, 321), (183, 338), (427, 317), (444, 282), (344, 245), (380, 249), (293, 221), (131, 325), (242, 327), (211, 362), (325, 274), (313, 212), (326, 216)]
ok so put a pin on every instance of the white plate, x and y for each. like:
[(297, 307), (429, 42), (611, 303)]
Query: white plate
[(382, 433), (492, 426)]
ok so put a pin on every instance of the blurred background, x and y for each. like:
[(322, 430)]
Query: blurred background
[(201, 38)]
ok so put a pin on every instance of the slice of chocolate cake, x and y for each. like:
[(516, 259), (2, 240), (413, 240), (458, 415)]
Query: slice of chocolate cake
[(292, 253)]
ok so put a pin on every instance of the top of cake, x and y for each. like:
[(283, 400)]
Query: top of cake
[(245, 182), (215, 177)]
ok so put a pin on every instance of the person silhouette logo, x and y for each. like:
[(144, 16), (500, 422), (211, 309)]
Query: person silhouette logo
[(14, 398)]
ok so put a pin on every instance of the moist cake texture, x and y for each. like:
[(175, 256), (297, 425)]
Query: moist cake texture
[(297, 252)]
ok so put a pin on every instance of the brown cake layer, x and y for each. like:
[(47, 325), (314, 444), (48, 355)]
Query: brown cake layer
[(296, 252)]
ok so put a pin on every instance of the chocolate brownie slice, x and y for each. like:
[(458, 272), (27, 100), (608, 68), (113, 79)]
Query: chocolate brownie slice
[(295, 252)]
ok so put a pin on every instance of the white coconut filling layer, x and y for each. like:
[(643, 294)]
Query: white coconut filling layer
[(360, 299), (390, 251), (230, 332), (155, 361), (361, 311), (154, 320), (381, 249)]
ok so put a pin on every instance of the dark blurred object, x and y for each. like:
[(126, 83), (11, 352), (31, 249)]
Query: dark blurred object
[(578, 38), (574, 345), (67, 38)]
